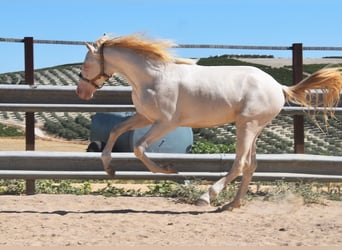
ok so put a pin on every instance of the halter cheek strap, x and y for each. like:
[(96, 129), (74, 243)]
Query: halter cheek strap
[(102, 74)]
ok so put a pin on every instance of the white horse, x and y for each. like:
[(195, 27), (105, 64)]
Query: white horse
[(169, 92)]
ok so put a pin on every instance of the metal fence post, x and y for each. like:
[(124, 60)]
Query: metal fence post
[(29, 116), (298, 120)]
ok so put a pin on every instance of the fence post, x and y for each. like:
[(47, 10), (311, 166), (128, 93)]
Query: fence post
[(298, 120), (29, 116)]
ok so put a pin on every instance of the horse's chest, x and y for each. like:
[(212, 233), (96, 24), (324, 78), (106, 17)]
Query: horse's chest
[(150, 103)]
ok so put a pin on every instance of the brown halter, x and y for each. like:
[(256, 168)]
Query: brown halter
[(99, 75)]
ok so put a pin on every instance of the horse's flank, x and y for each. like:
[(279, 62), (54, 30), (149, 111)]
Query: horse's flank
[(151, 49)]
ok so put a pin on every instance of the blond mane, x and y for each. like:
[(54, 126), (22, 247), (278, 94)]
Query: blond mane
[(151, 49)]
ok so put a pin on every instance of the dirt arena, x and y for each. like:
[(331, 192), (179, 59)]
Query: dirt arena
[(87, 220), (18, 143)]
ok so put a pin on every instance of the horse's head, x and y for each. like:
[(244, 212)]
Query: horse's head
[(92, 76)]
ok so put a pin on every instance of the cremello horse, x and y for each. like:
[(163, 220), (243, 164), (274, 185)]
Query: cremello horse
[(169, 92)]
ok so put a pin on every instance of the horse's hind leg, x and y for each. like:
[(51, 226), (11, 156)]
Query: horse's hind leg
[(134, 122), (218, 186), (156, 132), (245, 162), (247, 174)]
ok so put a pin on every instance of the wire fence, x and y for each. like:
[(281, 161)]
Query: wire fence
[(185, 46)]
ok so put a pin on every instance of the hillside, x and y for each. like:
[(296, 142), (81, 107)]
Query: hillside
[(276, 138)]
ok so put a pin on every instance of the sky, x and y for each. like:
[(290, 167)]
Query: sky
[(228, 22)]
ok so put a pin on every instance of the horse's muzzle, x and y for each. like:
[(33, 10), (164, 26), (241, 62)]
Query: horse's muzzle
[(84, 95)]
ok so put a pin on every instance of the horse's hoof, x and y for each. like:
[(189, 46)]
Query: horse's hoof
[(224, 209), (168, 169), (110, 171), (171, 170), (106, 159), (228, 207), (201, 203)]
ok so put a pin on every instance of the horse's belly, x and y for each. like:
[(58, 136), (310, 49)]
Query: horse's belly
[(201, 116)]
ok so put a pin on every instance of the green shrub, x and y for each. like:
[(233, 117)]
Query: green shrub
[(62, 187), (12, 187), (206, 147), (8, 131), (69, 128)]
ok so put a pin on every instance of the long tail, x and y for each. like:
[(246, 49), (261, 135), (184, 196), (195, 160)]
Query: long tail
[(328, 81)]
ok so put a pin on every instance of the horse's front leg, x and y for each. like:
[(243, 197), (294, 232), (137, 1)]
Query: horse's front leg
[(155, 133), (134, 122)]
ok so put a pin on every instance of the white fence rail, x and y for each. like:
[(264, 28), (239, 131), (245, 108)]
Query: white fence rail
[(32, 165), (63, 99)]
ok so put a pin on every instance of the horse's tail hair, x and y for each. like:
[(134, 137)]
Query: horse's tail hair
[(328, 81)]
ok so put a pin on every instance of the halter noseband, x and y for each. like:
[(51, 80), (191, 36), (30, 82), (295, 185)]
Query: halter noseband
[(99, 75)]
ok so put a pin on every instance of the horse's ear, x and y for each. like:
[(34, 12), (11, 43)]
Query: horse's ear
[(90, 47)]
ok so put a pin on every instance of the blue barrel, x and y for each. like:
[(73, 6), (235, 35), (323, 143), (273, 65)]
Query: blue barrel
[(177, 141)]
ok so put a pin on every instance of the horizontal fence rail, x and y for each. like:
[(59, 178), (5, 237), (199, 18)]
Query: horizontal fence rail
[(23, 98), (44, 107), (118, 95), (41, 107), (75, 165), (185, 46)]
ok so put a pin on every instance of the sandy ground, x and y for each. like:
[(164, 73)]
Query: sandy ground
[(69, 220), (88, 220), (18, 143)]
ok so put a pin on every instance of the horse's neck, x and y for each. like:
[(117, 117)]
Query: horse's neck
[(135, 68)]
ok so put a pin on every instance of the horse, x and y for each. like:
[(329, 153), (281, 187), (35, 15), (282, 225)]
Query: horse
[(168, 92)]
